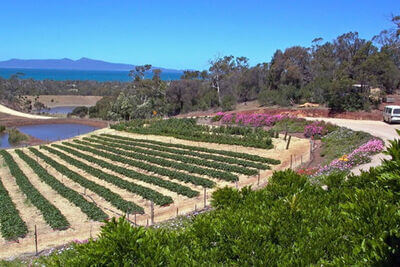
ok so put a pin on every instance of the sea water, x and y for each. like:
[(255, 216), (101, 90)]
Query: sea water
[(65, 75)]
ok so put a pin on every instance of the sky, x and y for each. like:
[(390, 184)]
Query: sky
[(182, 34)]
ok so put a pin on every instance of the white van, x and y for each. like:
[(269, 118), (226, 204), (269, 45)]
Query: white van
[(391, 114)]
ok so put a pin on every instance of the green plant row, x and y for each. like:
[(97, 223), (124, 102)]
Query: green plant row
[(174, 187), (212, 138), (89, 208), (190, 160), (246, 156), (11, 224), (162, 147), (188, 129), (51, 214), (187, 178), (145, 192), (162, 162), (115, 199)]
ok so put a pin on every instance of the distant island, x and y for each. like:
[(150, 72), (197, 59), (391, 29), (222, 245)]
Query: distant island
[(69, 64)]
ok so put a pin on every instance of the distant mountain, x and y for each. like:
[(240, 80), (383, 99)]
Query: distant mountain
[(69, 64)]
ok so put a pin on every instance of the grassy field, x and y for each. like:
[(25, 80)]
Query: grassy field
[(67, 189)]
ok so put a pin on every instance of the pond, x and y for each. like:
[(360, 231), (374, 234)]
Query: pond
[(61, 110), (50, 132)]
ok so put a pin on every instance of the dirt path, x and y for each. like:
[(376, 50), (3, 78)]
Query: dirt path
[(377, 128), (4, 109)]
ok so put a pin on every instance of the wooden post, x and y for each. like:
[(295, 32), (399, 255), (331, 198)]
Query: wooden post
[(284, 138), (152, 212), (36, 241), (135, 219), (291, 161), (195, 207), (288, 142), (177, 211), (205, 197), (301, 159), (258, 179), (147, 222)]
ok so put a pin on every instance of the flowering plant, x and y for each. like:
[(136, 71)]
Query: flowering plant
[(256, 120), (359, 156), (313, 129)]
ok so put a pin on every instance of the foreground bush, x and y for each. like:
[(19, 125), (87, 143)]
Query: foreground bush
[(348, 221)]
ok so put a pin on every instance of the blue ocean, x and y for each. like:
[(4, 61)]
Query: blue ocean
[(94, 75)]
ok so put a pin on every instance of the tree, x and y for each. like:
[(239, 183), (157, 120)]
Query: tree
[(138, 73)]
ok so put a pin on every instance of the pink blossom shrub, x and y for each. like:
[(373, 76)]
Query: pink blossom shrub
[(256, 120), (314, 129), (359, 156)]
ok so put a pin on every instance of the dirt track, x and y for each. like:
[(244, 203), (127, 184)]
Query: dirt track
[(377, 128)]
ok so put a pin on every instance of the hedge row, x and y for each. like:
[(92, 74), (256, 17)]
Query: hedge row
[(51, 214), (89, 208), (145, 192), (214, 151), (180, 189), (115, 199), (223, 175), (163, 147), (190, 160), (11, 224)]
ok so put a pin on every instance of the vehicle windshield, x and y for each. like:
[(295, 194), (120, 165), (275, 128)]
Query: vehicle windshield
[(396, 111)]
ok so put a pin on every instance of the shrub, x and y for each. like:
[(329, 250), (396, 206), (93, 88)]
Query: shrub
[(2, 129), (15, 136), (228, 103)]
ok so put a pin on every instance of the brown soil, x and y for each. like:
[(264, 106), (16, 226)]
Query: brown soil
[(52, 101), (320, 112), (298, 152), (13, 121)]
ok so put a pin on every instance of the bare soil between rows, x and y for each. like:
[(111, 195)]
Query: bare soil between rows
[(296, 155)]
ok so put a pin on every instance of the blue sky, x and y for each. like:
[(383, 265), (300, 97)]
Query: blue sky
[(179, 34)]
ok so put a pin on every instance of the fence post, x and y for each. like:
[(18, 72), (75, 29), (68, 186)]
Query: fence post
[(205, 197), (177, 211), (284, 138), (258, 179), (36, 241), (288, 142), (152, 212), (291, 161), (135, 219)]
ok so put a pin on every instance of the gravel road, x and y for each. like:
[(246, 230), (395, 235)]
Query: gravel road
[(377, 128)]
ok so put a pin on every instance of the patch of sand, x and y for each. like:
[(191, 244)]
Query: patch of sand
[(6, 110), (52, 101)]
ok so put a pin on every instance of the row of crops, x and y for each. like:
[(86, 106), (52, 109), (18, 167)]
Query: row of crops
[(188, 129), (140, 167)]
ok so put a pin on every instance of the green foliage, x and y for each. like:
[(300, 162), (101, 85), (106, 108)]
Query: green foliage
[(290, 222), (145, 192), (175, 187), (228, 103), (226, 153), (191, 152), (89, 208), (342, 141), (193, 164), (11, 225), (79, 111), (51, 214), (115, 199), (15, 136), (187, 129), (2, 129)]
